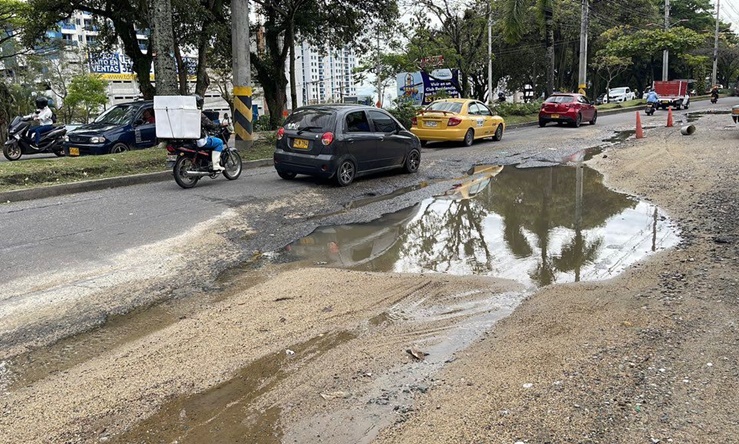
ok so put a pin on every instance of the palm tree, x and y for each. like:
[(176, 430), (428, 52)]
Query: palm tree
[(513, 28)]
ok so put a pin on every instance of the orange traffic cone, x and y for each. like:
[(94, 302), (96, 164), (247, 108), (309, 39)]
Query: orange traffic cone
[(669, 116), (639, 131)]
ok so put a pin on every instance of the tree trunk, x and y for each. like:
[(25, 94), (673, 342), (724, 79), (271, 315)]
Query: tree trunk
[(293, 86), (165, 69), (181, 70)]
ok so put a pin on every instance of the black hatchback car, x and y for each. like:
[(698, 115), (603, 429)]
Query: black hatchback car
[(123, 127), (343, 142)]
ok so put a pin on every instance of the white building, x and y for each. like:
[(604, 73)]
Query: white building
[(322, 75)]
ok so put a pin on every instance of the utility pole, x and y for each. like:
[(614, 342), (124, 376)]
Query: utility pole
[(715, 48), (666, 53), (241, 48), (490, 55), (582, 77)]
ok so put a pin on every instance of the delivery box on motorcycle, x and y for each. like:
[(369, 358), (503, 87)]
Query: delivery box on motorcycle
[(177, 117)]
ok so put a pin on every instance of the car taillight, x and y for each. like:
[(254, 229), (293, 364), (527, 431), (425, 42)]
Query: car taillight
[(414, 121), (454, 121), (327, 138), (280, 133)]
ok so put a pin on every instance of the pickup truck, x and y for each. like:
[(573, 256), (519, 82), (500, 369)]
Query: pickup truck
[(672, 93)]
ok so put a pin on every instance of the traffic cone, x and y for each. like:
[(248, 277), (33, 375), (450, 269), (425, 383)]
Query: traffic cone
[(639, 131), (669, 116)]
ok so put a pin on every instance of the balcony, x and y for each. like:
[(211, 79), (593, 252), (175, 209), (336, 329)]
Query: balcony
[(68, 27)]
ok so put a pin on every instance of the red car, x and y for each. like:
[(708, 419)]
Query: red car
[(570, 108)]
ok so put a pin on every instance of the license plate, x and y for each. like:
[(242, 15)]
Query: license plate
[(74, 151), (171, 157), (431, 124), (300, 144), (555, 116)]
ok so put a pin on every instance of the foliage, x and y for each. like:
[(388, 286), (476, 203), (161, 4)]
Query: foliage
[(263, 123), (88, 92), (517, 109), (404, 111)]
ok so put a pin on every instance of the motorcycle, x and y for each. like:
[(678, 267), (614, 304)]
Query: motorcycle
[(651, 107), (20, 141), (714, 98), (189, 163)]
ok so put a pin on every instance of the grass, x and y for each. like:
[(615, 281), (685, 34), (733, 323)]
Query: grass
[(30, 173)]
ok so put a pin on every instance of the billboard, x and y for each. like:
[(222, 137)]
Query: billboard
[(118, 66), (422, 88)]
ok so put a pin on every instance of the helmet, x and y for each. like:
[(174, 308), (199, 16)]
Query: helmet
[(42, 102), (199, 101)]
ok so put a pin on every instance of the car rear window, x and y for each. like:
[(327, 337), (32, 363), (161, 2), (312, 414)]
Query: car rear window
[(451, 107), (118, 115), (313, 120), (560, 99)]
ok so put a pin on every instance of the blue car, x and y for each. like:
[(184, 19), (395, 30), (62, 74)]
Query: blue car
[(124, 127)]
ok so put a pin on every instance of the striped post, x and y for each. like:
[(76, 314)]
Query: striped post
[(243, 117)]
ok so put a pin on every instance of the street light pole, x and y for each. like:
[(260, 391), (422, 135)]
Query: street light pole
[(582, 77), (490, 55), (715, 48), (666, 53)]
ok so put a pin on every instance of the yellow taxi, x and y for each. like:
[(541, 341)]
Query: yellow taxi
[(462, 120)]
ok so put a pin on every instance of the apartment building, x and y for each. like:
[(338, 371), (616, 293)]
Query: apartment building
[(323, 75)]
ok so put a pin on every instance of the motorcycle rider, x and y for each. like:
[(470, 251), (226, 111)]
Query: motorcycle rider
[(207, 141), (652, 98), (44, 116), (714, 94)]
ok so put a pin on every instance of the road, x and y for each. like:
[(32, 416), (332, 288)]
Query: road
[(67, 242), (77, 262)]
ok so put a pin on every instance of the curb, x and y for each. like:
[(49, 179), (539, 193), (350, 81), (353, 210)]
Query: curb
[(101, 184)]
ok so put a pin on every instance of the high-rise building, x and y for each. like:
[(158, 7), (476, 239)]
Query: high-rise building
[(322, 75)]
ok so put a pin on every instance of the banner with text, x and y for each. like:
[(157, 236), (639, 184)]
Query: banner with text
[(422, 88)]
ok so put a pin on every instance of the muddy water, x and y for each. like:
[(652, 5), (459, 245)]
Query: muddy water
[(537, 226)]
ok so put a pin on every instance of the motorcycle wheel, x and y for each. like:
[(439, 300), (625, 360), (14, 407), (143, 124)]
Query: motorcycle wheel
[(182, 165), (12, 151), (232, 163)]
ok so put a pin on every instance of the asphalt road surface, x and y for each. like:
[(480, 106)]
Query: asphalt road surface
[(71, 235)]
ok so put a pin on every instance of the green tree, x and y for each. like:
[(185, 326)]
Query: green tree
[(514, 22), (87, 92), (329, 24), (610, 66)]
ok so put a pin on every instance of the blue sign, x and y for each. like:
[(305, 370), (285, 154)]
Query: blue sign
[(422, 88)]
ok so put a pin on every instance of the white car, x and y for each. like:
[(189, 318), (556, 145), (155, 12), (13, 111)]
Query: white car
[(621, 94)]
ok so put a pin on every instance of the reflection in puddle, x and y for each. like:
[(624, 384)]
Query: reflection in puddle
[(536, 226)]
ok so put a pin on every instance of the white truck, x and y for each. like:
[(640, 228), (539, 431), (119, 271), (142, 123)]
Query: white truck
[(621, 94)]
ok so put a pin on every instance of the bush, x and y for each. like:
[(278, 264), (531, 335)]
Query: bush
[(262, 123), (517, 109), (404, 111)]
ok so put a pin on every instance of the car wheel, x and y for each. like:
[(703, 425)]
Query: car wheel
[(578, 120), (118, 148), (595, 117), (498, 133), (542, 123), (469, 137), (345, 173), (287, 175), (412, 161), (12, 151)]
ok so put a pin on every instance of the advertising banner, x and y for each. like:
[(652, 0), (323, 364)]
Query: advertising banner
[(118, 66), (422, 88)]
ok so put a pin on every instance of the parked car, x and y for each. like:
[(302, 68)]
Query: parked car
[(601, 99), (567, 108), (463, 120), (121, 128), (343, 142), (621, 94)]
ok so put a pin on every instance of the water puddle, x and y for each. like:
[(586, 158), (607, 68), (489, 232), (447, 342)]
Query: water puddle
[(537, 226), (225, 413), (620, 136)]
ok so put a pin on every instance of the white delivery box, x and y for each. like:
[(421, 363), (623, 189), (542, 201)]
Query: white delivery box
[(177, 117)]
